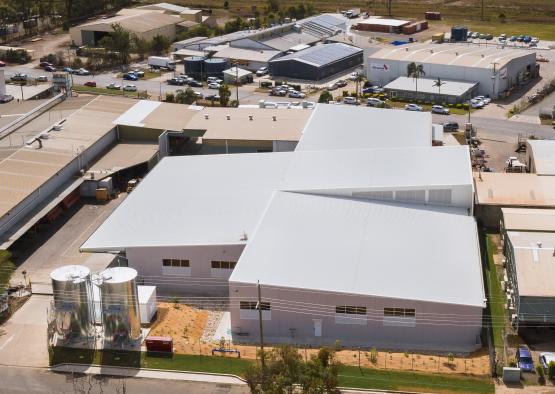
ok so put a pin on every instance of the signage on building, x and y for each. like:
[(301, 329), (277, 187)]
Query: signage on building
[(379, 67)]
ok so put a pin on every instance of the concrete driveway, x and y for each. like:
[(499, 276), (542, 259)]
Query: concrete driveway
[(23, 337)]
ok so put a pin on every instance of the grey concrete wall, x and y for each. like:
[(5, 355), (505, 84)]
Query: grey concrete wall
[(438, 327), (148, 263)]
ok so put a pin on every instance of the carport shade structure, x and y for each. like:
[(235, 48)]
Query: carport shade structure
[(317, 62)]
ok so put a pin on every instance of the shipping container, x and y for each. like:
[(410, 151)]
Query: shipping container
[(433, 15), (159, 344)]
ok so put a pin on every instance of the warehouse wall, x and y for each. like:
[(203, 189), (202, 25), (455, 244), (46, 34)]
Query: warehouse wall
[(148, 263), (294, 314), (297, 70)]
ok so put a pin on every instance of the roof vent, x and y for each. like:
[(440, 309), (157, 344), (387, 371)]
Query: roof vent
[(228, 117), (406, 49), (274, 118), (244, 236), (206, 117), (539, 244), (251, 117), (483, 55), (431, 51), (456, 53)]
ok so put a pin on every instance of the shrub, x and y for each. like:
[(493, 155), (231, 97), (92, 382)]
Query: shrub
[(459, 106), (541, 374), (20, 56), (551, 370), (373, 355), (344, 93)]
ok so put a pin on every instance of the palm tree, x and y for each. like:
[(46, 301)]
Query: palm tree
[(415, 71), (437, 83)]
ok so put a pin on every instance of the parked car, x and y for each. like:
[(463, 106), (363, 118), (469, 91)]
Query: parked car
[(524, 359), (130, 77), (545, 358), (512, 39), (44, 64), (130, 88), (296, 94), (113, 86), (19, 77), (138, 73), (176, 81), (474, 103), (2, 64), (83, 71), (353, 76), (68, 70), (262, 71), (374, 102), (520, 38), (350, 100), (439, 109), (413, 107), (535, 40), (331, 86), (278, 91), (214, 79), (212, 97), (450, 126), (485, 99), (214, 85), (90, 84), (50, 68), (503, 36), (41, 78), (191, 82), (489, 37), (6, 98), (341, 83), (526, 39)]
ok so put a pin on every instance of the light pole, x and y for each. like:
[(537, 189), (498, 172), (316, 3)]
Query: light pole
[(493, 79)]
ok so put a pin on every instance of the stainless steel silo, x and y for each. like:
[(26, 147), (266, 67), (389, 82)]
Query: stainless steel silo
[(72, 296), (120, 304)]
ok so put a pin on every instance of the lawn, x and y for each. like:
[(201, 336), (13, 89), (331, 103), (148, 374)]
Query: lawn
[(545, 31), (496, 308), (110, 92), (349, 376)]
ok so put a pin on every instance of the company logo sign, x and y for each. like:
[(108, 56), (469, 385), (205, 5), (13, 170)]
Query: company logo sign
[(379, 67)]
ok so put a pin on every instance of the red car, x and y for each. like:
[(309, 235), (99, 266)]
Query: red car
[(90, 84), (2, 64)]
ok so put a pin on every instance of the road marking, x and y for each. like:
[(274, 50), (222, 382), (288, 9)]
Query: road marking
[(7, 341)]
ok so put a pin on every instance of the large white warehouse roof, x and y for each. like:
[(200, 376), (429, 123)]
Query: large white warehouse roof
[(360, 247)]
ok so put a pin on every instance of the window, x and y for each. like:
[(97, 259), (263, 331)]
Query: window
[(251, 305), (399, 312), (226, 265), (176, 263), (351, 310)]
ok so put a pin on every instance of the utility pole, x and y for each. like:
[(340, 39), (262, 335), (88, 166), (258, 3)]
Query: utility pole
[(389, 6), (493, 78), (260, 324)]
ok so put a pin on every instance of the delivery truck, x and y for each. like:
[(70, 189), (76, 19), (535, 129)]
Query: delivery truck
[(161, 62)]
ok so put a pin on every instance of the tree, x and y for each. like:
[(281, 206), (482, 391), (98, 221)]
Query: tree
[(325, 97), (226, 4), (438, 83), (320, 374), (140, 46), (273, 5), (415, 71), (119, 41), (185, 97), (225, 94), (160, 44), (502, 18)]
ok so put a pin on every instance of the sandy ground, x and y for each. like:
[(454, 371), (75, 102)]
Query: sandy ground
[(186, 326)]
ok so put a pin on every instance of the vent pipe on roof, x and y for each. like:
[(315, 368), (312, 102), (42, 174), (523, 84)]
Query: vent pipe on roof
[(251, 117), (431, 51), (456, 53), (274, 118), (206, 117), (539, 244), (228, 117)]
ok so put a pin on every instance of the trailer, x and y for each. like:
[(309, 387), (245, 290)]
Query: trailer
[(161, 62)]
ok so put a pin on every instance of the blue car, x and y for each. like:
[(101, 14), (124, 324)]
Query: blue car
[(524, 359), (130, 77), (68, 70)]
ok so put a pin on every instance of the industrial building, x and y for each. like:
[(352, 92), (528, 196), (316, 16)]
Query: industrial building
[(497, 71), (317, 63), (382, 25), (424, 89), (237, 75), (229, 230), (529, 236), (540, 156), (495, 191), (143, 23)]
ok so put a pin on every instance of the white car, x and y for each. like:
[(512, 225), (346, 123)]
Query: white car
[(130, 88), (262, 71), (546, 358), (353, 76), (413, 107), (113, 86), (296, 94), (213, 80), (475, 103), (486, 100), (41, 78), (475, 34), (82, 71), (214, 85), (439, 109), (535, 40), (350, 100), (374, 102)]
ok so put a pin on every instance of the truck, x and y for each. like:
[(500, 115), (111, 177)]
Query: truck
[(161, 62), (353, 13)]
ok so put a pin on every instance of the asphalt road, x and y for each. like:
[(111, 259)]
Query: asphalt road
[(35, 381)]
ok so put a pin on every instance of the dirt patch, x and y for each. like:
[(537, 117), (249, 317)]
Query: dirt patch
[(183, 323)]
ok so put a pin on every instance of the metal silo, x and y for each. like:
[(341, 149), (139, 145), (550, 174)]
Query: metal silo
[(215, 67), (120, 305), (194, 66), (72, 308)]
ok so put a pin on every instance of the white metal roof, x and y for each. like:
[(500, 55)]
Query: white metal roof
[(384, 22), (358, 169), (543, 152), (237, 71), (528, 219), (426, 85), (353, 127), (194, 200), (358, 247)]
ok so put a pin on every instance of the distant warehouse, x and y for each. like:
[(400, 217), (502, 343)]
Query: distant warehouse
[(425, 89), (317, 62), (497, 71)]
